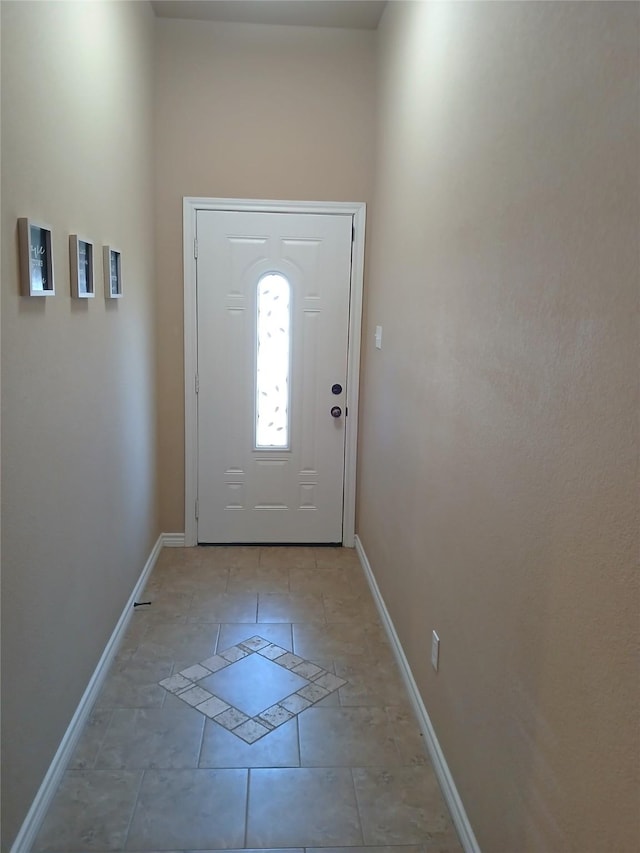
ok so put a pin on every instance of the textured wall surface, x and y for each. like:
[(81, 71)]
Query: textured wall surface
[(498, 499), (498, 486), (78, 397), (247, 112)]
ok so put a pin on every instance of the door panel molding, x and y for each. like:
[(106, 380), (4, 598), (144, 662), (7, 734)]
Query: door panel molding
[(191, 206)]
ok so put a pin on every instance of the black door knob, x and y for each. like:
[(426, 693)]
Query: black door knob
[(336, 411)]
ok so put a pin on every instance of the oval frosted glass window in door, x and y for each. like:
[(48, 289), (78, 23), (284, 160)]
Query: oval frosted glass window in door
[(273, 361)]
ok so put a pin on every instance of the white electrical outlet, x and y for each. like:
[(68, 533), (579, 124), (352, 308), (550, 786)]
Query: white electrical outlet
[(435, 650)]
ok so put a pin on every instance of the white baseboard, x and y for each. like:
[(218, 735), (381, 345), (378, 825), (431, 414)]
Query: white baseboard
[(32, 822), (173, 540), (448, 786)]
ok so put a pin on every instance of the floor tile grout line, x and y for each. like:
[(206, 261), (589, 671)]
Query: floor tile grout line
[(339, 688), (297, 719), (246, 808), (102, 739), (355, 795), (133, 810), (394, 736), (204, 727), (102, 742)]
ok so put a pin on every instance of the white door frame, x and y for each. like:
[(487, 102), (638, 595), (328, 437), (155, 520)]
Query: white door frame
[(191, 205)]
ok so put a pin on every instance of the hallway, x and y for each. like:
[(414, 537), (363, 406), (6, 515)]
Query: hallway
[(256, 747)]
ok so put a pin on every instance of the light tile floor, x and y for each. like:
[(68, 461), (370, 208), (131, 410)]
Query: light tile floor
[(252, 762)]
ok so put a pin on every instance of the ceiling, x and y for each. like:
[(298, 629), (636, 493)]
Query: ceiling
[(352, 14)]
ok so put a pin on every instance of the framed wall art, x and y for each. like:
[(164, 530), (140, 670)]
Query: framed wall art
[(112, 264), (36, 258), (81, 267)]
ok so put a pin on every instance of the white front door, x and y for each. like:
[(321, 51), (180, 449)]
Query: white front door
[(272, 329)]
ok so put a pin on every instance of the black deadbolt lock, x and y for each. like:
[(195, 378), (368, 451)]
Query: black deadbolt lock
[(336, 389)]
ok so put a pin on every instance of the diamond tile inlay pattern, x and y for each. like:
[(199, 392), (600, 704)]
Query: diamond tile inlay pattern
[(253, 684), (291, 684)]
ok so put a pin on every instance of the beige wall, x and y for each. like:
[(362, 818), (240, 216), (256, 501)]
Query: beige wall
[(498, 466), (499, 424), (247, 112), (78, 400)]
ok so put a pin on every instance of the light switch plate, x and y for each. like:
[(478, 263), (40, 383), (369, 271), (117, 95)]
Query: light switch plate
[(378, 337)]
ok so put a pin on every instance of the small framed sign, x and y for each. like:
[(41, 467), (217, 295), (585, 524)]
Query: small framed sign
[(112, 264), (81, 266), (36, 258)]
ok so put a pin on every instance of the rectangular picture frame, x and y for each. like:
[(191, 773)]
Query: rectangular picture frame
[(81, 267), (36, 258), (112, 267)]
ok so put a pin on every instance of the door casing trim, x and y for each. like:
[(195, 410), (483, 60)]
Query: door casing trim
[(191, 206)]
